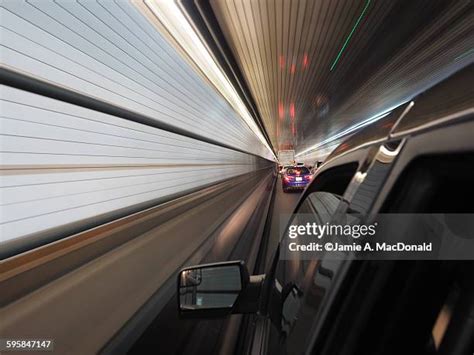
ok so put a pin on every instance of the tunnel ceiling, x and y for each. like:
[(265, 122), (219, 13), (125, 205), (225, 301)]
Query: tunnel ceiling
[(316, 69)]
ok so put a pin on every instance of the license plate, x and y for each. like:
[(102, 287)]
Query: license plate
[(299, 179)]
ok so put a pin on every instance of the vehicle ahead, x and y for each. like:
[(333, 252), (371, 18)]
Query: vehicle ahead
[(414, 164), (284, 168), (295, 178)]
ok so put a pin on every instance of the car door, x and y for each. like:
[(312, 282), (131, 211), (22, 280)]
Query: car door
[(301, 286)]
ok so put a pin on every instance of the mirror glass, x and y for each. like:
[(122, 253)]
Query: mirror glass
[(209, 287)]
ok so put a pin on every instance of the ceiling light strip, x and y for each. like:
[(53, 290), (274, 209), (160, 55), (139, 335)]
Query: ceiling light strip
[(351, 129), (170, 15)]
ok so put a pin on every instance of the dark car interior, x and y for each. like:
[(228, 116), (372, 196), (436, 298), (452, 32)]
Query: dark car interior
[(404, 306)]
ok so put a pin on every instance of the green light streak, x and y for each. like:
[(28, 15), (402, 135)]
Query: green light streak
[(350, 35)]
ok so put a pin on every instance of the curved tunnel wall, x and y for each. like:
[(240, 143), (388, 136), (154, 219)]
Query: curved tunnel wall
[(63, 163)]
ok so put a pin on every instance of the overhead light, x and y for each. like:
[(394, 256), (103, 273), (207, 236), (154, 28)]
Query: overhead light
[(174, 20), (351, 129)]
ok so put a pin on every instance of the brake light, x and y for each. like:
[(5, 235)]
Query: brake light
[(288, 178), (307, 177)]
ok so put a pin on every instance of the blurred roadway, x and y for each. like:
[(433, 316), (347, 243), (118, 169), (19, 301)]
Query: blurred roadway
[(233, 241), (283, 205)]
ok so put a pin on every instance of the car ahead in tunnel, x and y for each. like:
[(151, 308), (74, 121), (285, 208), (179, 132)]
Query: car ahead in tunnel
[(295, 178), (284, 168), (417, 161)]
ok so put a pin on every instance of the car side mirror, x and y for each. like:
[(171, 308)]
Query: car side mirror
[(217, 290)]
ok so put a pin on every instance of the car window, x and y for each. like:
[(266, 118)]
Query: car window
[(433, 185), (297, 171), (414, 300)]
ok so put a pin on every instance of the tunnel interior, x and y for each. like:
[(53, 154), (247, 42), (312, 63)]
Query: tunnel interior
[(141, 137)]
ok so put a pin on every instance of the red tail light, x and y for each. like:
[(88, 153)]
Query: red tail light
[(307, 177), (288, 178)]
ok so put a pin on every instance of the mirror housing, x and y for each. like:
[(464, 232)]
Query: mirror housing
[(217, 290)]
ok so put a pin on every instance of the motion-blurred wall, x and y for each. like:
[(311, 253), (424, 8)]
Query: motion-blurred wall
[(64, 164)]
